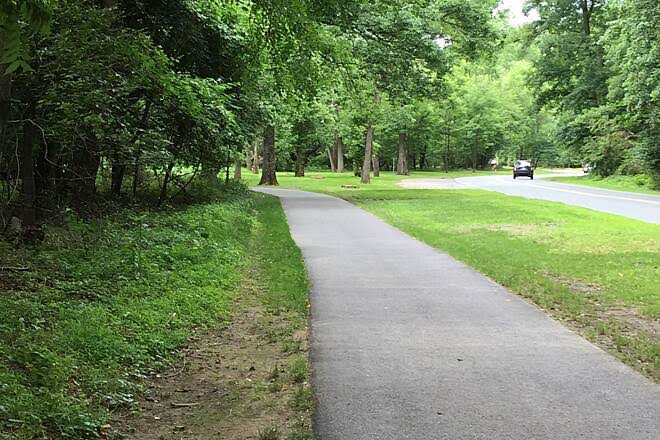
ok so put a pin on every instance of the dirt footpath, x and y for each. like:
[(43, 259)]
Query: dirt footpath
[(248, 381)]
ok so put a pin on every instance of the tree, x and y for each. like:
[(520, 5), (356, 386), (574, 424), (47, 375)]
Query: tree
[(632, 54), (570, 73)]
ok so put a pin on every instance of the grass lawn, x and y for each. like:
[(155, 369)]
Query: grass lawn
[(598, 272), (104, 304), (331, 183), (639, 184)]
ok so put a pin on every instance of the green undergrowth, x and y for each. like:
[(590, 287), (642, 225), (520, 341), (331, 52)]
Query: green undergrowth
[(105, 303), (641, 184)]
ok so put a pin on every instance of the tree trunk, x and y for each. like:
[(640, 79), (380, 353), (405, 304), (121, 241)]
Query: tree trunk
[(210, 171), (248, 156), (118, 172), (402, 166), (301, 159), (376, 164), (255, 157), (333, 168), (29, 212), (166, 181), (83, 173), (5, 103), (116, 185), (446, 158), (268, 176), (368, 151), (136, 174), (227, 166), (586, 15), (237, 169), (334, 153), (340, 155)]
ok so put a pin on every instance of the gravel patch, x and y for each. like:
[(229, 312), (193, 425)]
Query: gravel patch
[(431, 184)]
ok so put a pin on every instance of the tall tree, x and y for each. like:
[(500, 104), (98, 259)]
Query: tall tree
[(633, 55)]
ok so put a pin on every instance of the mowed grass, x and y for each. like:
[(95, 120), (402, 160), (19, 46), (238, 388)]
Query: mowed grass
[(106, 303), (285, 281), (332, 183), (640, 184), (597, 271)]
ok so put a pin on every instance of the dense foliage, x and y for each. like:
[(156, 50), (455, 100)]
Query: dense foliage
[(126, 98), (597, 67)]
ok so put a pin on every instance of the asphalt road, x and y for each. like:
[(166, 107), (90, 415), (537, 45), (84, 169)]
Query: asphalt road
[(638, 206), (408, 343)]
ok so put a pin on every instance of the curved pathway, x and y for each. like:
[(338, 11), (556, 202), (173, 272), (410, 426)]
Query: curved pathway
[(645, 207), (408, 343)]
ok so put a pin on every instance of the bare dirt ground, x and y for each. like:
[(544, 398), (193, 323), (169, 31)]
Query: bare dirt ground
[(247, 381)]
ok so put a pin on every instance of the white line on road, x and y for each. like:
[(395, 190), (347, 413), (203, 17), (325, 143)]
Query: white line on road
[(604, 196)]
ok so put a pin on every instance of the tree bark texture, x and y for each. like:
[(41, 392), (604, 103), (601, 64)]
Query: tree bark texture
[(136, 174), (333, 167), (268, 175), (166, 181), (29, 212), (301, 159), (446, 155), (118, 172), (368, 151), (255, 157), (210, 171), (248, 156), (82, 177), (402, 165), (340, 155), (237, 169), (587, 8), (376, 163), (5, 102)]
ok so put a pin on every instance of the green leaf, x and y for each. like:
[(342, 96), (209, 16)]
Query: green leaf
[(13, 67)]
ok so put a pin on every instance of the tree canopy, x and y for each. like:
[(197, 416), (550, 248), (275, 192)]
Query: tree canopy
[(128, 98)]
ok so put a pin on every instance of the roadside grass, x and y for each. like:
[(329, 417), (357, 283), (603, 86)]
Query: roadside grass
[(598, 272), (285, 289), (640, 184), (108, 303), (281, 262), (331, 183), (237, 379)]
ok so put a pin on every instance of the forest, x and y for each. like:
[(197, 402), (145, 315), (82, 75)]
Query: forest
[(117, 100)]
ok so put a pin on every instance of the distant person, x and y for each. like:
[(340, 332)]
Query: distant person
[(494, 164)]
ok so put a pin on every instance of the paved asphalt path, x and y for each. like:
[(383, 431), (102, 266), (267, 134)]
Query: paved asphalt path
[(639, 206), (408, 343)]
